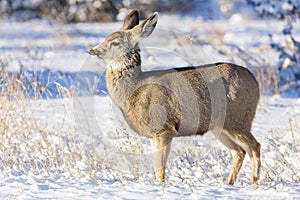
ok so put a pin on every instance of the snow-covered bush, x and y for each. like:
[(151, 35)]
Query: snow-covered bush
[(110, 10), (89, 10), (275, 8), (288, 66), (288, 63), (61, 10)]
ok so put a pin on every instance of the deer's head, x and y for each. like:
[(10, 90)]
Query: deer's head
[(122, 42)]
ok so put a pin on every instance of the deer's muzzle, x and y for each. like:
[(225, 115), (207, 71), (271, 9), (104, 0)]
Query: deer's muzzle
[(92, 52)]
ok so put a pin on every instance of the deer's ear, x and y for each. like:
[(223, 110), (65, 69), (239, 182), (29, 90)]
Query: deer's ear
[(146, 28), (131, 20)]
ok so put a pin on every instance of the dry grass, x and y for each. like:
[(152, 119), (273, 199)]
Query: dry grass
[(38, 136)]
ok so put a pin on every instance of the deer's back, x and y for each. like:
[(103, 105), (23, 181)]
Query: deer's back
[(191, 99)]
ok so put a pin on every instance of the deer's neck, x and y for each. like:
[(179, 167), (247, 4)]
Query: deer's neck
[(122, 76)]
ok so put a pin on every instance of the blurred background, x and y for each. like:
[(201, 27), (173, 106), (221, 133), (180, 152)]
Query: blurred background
[(70, 11), (247, 32), (285, 71)]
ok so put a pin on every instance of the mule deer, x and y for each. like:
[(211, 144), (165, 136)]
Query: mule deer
[(163, 104)]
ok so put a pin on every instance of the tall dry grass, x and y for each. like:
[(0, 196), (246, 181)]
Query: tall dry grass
[(38, 136)]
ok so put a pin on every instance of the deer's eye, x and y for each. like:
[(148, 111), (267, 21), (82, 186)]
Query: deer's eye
[(115, 43)]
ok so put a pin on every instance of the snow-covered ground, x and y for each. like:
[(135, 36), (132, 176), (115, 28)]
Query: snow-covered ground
[(45, 166), (78, 147)]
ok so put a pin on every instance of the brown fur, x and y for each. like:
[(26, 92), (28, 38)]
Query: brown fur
[(161, 105)]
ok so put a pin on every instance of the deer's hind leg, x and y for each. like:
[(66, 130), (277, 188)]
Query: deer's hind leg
[(254, 153), (252, 147), (237, 153), (161, 145)]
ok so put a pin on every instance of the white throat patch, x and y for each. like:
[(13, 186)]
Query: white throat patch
[(114, 65)]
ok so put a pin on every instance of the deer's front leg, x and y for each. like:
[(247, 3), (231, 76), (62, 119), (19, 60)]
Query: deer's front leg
[(161, 145)]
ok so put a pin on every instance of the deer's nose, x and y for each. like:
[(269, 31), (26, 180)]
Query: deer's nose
[(91, 52), (97, 51)]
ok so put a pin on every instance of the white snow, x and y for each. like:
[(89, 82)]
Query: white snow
[(197, 166), (46, 150)]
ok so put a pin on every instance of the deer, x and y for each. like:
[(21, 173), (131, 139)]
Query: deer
[(164, 104)]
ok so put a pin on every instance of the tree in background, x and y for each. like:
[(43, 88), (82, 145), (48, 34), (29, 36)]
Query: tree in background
[(289, 49), (278, 9), (63, 11), (71, 11)]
